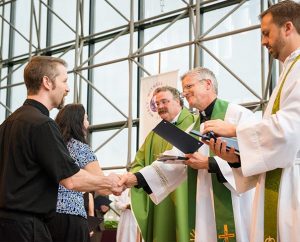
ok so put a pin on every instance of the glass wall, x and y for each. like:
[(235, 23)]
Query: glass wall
[(110, 45)]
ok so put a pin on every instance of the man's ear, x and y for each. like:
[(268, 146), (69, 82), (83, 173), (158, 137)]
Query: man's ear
[(208, 84), (288, 28), (47, 83)]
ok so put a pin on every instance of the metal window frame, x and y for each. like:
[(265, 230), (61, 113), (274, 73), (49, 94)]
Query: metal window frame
[(193, 10)]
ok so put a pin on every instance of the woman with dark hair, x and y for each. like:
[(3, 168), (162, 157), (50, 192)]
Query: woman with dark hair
[(70, 222)]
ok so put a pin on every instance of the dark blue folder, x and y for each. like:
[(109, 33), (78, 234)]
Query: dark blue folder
[(180, 139)]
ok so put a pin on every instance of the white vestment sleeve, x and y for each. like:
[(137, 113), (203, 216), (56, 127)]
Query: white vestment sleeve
[(163, 178), (273, 142), (236, 182)]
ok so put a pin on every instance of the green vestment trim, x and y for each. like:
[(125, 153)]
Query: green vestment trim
[(272, 182), (167, 221), (222, 196), (192, 191)]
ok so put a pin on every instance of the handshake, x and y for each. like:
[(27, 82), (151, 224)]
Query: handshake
[(119, 183)]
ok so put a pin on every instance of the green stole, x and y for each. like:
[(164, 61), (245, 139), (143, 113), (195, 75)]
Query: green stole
[(222, 196), (273, 181)]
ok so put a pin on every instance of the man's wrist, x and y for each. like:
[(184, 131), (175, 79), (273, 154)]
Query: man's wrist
[(131, 180)]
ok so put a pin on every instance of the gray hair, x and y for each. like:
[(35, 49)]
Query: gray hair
[(201, 73), (175, 93)]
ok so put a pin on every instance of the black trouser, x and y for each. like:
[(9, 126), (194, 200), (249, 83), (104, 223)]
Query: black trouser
[(21, 227), (69, 228)]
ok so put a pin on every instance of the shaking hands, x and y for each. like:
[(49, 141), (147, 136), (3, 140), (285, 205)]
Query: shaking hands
[(119, 183)]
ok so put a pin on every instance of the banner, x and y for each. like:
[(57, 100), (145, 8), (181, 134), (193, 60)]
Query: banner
[(148, 113)]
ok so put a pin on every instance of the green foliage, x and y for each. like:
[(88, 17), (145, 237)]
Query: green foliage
[(110, 224)]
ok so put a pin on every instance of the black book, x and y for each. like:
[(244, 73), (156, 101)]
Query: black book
[(177, 137)]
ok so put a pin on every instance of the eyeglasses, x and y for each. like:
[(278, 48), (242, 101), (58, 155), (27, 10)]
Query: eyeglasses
[(163, 102), (187, 87)]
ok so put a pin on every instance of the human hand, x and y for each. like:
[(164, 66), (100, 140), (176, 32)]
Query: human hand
[(116, 189), (220, 128), (219, 149), (197, 161), (128, 180), (104, 191)]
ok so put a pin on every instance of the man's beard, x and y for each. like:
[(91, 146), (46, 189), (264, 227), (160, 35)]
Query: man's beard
[(280, 44), (62, 104)]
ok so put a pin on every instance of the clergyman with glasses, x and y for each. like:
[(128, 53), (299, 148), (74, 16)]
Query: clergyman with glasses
[(218, 208), (162, 221)]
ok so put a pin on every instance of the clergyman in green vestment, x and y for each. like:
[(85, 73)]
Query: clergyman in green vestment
[(216, 212), (168, 221)]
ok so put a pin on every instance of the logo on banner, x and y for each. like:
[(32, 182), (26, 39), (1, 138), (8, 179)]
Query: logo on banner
[(150, 100)]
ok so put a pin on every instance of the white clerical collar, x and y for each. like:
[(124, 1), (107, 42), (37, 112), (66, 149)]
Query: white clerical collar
[(203, 113), (176, 118)]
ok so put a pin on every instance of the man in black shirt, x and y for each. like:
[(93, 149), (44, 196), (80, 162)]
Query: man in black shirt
[(34, 158)]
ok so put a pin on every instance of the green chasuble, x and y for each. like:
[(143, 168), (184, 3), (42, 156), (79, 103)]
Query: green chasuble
[(167, 221)]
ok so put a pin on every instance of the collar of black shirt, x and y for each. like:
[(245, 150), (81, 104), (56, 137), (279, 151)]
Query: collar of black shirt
[(206, 114), (37, 105)]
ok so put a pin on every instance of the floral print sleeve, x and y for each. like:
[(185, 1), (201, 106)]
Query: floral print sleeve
[(81, 153)]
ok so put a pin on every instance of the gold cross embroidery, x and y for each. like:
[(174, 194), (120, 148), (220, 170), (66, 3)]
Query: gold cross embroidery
[(270, 239), (226, 235), (192, 234)]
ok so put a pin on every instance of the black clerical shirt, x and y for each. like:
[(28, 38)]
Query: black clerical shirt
[(206, 114), (212, 164), (33, 159)]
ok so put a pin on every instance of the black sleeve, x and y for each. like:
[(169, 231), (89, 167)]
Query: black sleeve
[(214, 168), (52, 153), (142, 183), (235, 165)]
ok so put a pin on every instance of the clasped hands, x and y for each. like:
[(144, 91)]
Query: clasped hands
[(120, 182)]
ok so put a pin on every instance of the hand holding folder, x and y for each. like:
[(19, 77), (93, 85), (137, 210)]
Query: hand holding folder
[(230, 142)]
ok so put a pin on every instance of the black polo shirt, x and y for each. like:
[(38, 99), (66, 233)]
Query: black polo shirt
[(33, 159)]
